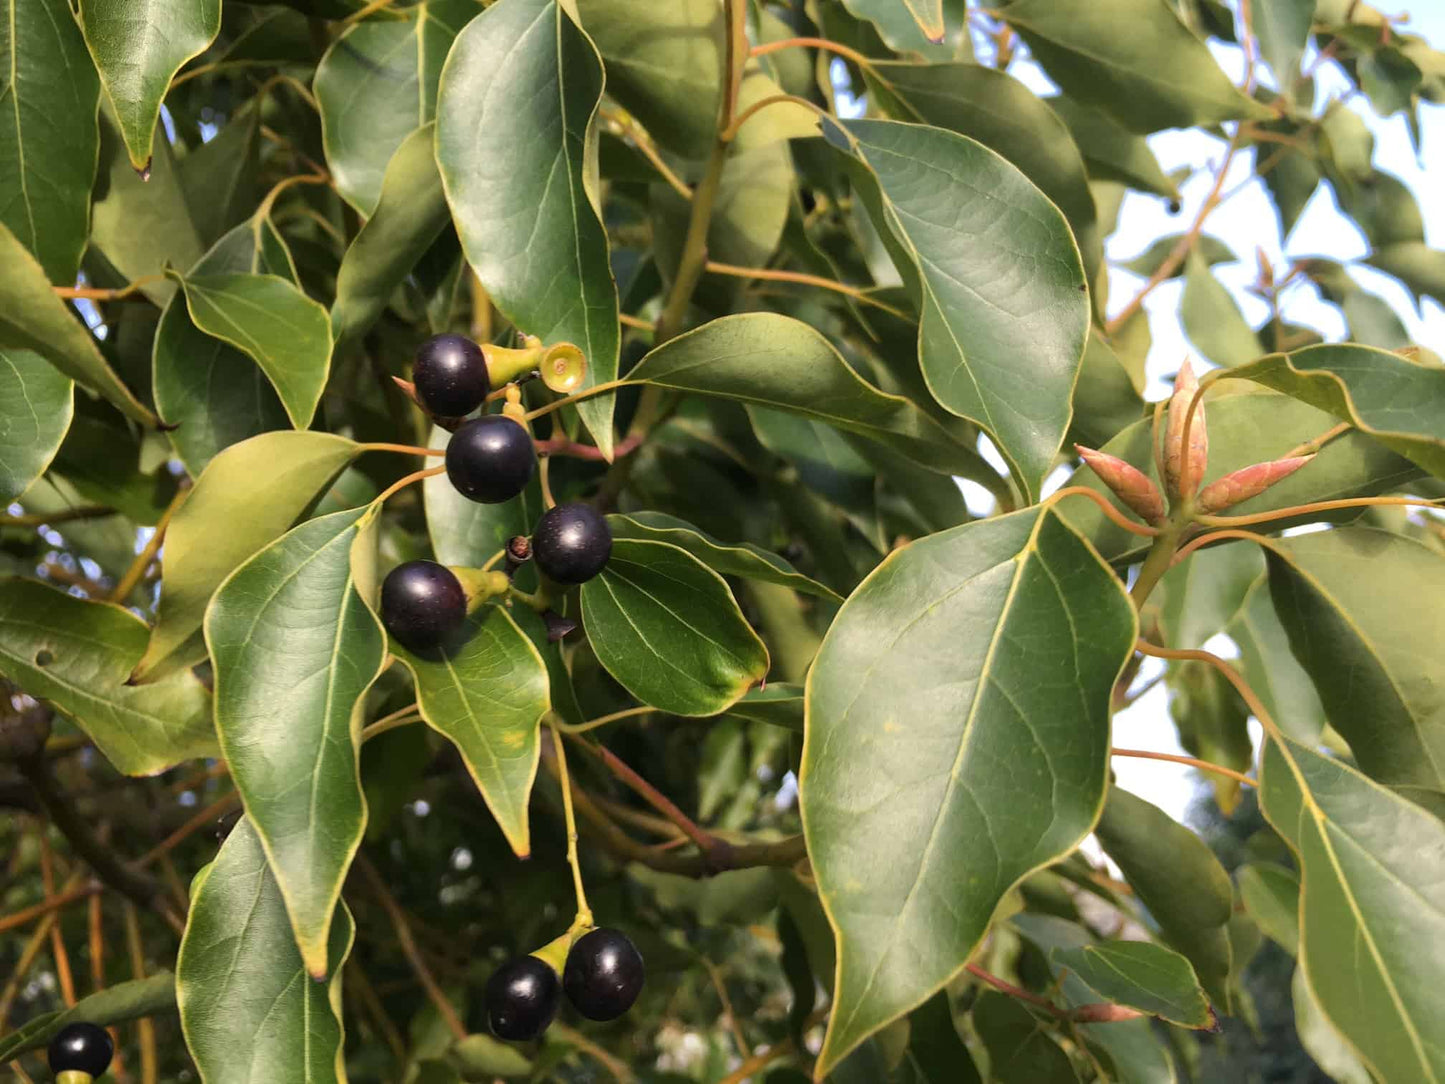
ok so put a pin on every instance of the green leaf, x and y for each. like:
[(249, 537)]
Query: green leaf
[(1419, 267), (1319, 1038), (77, 653), (728, 559), (914, 832), (1271, 896), (515, 145), (410, 214), (1283, 29), (248, 1009), (777, 704), (957, 243), (1202, 595), (273, 322), (1158, 75), (294, 650), (1106, 398), (1372, 925), (1209, 248), (1212, 319), (481, 1057), (765, 359), (249, 495), (938, 35), (1268, 664), (118, 1004), (1176, 876), (668, 629), (1020, 1048), (1111, 151), (1340, 597), (36, 402), (1143, 976), (376, 85), (221, 178), (1213, 724), (488, 696), (214, 394), (138, 46), (46, 168), (33, 318), (936, 1053)]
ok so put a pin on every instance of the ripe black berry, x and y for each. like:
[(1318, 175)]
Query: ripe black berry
[(81, 1047), (422, 604), (522, 997), (603, 975), (571, 543), (491, 459), (450, 375)]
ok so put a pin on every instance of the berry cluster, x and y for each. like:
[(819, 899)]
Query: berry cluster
[(489, 459), (82, 1050), (602, 978)]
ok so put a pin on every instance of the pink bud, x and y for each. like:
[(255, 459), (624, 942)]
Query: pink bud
[(1247, 482), (1175, 454), (1129, 484)]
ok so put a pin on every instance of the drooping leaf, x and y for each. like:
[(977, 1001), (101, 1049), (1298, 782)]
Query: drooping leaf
[(36, 402), (959, 255), (487, 696), (735, 559), (668, 629), (1268, 664), (765, 359), (410, 213), (1212, 319), (294, 649), (1111, 151), (514, 116), (268, 317), (248, 496), (983, 623), (248, 1009), (1271, 896), (46, 168), (138, 46), (1143, 976), (33, 318), (116, 1004), (1372, 924), (376, 85), (1158, 75), (1020, 1048), (76, 653)]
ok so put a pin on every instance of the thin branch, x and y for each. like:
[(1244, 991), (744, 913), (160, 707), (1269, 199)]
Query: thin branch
[(715, 974), (68, 896), (57, 938), (577, 397), (49, 519), (628, 320), (149, 1068), (148, 552), (730, 133), (96, 294), (584, 913), (813, 43), (1250, 697), (761, 1060), (401, 717), (1207, 539), (404, 449), (802, 279), (402, 483), (1202, 765), (1107, 507), (564, 445), (629, 127), (603, 720), (1318, 506), (220, 806)]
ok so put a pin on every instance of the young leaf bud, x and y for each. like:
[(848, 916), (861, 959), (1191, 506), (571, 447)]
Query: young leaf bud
[(1129, 484), (1176, 456), (1247, 482)]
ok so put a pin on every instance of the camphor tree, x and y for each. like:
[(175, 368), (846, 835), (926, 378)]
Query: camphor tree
[(570, 377)]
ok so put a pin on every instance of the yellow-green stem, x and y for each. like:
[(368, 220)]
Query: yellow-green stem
[(1157, 562), (584, 913)]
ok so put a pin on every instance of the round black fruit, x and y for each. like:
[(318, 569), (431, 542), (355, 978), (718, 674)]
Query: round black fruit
[(422, 604), (522, 997), (603, 975), (491, 459), (571, 543), (82, 1048), (450, 375)]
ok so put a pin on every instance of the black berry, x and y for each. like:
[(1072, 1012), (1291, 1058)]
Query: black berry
[(80, 1047), (450, 375), (571, 543), (603, 975), (522, 997), (422, 604), (491, 459)]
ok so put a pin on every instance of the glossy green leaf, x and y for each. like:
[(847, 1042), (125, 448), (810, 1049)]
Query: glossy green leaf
[(1158, 75), (487, 696), (1319, 1038), (46, 168), (958, 249), (1268, 664), (33, 318), (36, 401), (410, 213), (1106, 398), (1111, 151), (1201, 596), (1399, 403), (1340, 596), (138, 46), (514, 115), (1020, 1048), (1208, 248), (1143, 976), (294, 649), (729, 559), (77, 653), (933, 28), (248, 1009), (1271, 896), (116, 1004), (249, 495), (777, 704), (213, 393), (765, 359), (667, 628), (376, 85), (268, 317), (1372, 924), (1212, 319), (1176, 876), (221, 178), (914, 833)]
